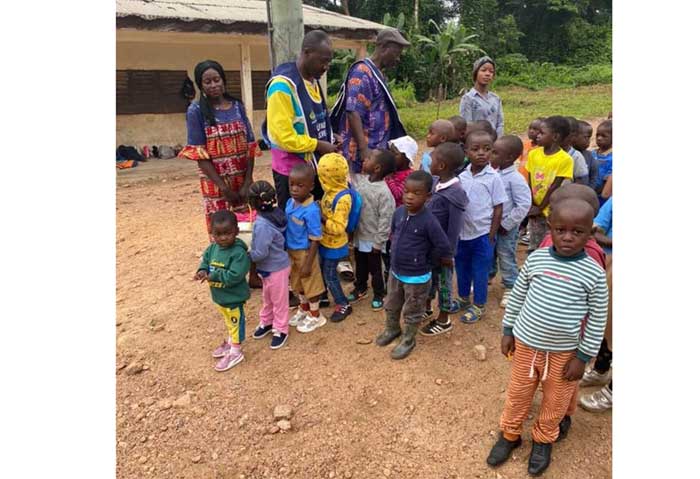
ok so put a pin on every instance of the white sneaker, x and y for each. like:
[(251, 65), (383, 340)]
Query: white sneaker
[(506, 296), (598, 401), (593, 378), (311, 323), (298, 317)]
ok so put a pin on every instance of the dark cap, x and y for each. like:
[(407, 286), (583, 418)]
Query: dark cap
[(391, 35)]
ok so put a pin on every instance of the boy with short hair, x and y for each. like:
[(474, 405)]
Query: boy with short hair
[(603, 156), (482, 217), (460, 126), (224, 266), (547, 166), (439, 132), (506, 150), (532, 131), (581, 143), (581, 172), (447, 203), (333, 175), (302, 238), (556, 288), (417, 238), (373, 228)]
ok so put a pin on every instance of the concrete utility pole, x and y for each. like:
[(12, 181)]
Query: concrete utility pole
[(285, 23)]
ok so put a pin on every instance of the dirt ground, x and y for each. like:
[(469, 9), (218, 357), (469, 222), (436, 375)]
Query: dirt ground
[(355, 412)]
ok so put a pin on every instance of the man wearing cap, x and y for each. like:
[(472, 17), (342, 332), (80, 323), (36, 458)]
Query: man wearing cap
[(479, 103), (365, 114)]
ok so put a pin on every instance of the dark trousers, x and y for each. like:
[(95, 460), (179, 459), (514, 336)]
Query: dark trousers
[(604, 358), (386, 259), (282, 189), (366, 264)]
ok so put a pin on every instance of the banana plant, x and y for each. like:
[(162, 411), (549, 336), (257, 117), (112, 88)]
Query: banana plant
[(446, 53)]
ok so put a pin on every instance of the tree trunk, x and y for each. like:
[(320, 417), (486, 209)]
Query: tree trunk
[(346, 7), (415, 12), (286, 29)]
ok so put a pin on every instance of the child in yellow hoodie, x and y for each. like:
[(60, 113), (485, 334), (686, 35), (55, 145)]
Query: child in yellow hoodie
[(333, 175)]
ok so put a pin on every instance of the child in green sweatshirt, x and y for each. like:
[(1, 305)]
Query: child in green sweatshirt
[(224, 265)]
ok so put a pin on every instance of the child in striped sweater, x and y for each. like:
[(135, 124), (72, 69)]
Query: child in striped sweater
[(556, 288)]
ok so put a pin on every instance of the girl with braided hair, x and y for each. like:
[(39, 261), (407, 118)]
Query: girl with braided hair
[(220, 139), (272, 263)]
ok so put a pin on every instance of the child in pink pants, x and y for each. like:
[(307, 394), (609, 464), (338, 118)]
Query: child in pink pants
[(272, 263)]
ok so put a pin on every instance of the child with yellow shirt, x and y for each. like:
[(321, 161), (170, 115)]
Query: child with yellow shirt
[(547, 167), (333, 174)]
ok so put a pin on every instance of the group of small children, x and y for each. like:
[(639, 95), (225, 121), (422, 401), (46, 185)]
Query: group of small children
[(461, 211)]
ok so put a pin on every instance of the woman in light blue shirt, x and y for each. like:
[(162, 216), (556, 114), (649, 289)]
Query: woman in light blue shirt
[(479, 103)]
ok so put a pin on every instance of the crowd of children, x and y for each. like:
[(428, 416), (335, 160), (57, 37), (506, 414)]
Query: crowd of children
[(411, 227)]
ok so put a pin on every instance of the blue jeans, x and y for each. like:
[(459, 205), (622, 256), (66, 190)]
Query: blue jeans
[(330, 276), (505, 258), (472, 264)]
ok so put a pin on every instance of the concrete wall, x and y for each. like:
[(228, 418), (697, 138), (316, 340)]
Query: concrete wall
[(139, 130), (177, 51)]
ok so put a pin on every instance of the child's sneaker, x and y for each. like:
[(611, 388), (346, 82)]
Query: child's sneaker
[(356, 295), (472, 314), (298, 317), (262, 331), (340, 313), (506, 296), (230, 359), (221, 351), (455, 307), (435, 327), (540, 457), (462, 304), (311, 323), (278, 340), (594, 378), (377, 304), (598, 401), (427, 315)]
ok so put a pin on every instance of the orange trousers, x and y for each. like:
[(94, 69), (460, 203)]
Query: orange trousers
[(530, 367)]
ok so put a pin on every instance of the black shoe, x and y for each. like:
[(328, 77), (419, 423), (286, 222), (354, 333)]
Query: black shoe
[(564, 427), (435, 327), (262, 331), (324, 302), (293, 300), (540, 456), (500, 452), (340, 313), (278, 340)]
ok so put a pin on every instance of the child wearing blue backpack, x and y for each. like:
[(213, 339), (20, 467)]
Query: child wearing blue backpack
[(337, 211), (373, 229)]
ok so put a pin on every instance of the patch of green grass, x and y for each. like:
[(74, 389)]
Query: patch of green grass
[(520, 106)]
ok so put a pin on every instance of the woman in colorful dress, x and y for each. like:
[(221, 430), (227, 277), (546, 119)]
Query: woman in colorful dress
[(220, 139)]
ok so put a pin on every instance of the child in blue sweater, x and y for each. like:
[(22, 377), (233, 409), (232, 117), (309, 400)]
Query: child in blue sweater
[(447, 203), (272, 262), (417, 238)]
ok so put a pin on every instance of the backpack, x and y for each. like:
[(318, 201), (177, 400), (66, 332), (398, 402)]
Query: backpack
[(355, 208)]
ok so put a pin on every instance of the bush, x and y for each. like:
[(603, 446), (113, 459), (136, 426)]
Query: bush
[(516, 70)]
